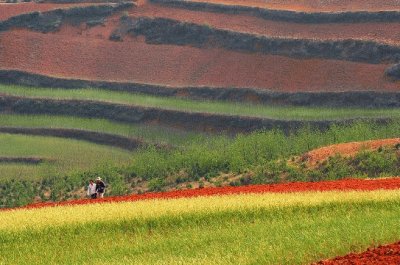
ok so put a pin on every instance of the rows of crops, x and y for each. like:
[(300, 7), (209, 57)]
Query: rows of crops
[(216, 107), (294, 228), (75, 155)]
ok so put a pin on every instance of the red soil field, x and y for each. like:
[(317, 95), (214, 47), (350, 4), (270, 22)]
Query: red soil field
[(387, 255), (10, 10), (314, 5), (77, 56), (346, 149), (340, 185), (382, 32)]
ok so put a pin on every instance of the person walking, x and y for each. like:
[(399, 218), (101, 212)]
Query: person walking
[(100, 187), (91, 190)]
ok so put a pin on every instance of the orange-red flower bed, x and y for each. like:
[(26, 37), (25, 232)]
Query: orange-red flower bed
[(343, 185), (388, 255)]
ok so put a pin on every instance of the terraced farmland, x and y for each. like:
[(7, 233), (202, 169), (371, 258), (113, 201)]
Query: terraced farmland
[(267, 131), (168, 74), (267, 228), (179, 71)]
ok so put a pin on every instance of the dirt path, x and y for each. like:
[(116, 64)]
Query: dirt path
[(387, 255), (346, 149)]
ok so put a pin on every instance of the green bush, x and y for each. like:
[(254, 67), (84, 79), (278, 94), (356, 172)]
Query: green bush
[(156, 184)]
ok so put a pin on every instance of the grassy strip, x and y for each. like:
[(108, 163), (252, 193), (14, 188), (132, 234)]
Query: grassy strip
[(67, 156), (222, 107), (148, 133), (296, 234)]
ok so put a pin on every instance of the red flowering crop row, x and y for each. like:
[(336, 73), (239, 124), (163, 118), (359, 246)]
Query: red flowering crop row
[(341, 185)]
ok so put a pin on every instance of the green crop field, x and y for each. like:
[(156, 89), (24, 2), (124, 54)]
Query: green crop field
[(64, 156), (219, 107), (148, 133), (261, 229)]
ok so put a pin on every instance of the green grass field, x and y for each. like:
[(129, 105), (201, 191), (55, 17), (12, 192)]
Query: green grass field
[(66, 155), (219, 107)]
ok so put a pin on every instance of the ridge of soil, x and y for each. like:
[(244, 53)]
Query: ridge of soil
[(313, 5), (24, 160), (346, 149), (345, 16), (175, 32), (52, 20), (373, 31), (339, 185), (10, 10), (387, 254)]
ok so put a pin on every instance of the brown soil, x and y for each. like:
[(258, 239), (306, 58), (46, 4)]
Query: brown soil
[(346, 149), (314, 5), (10, 10), (387, 255), (383, 32), (79, 56), (83, 52)]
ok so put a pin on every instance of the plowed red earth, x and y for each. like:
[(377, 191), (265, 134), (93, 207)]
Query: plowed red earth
[(132, 60), (314, 5), (382, 32), (10, 10), (384, 255), (346, 149), (341, 185)]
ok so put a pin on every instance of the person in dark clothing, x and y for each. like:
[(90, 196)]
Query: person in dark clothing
[(100, 187)]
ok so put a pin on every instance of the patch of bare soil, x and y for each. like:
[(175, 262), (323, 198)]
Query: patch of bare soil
[(345, 149), (385, 255), (80, 53)]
